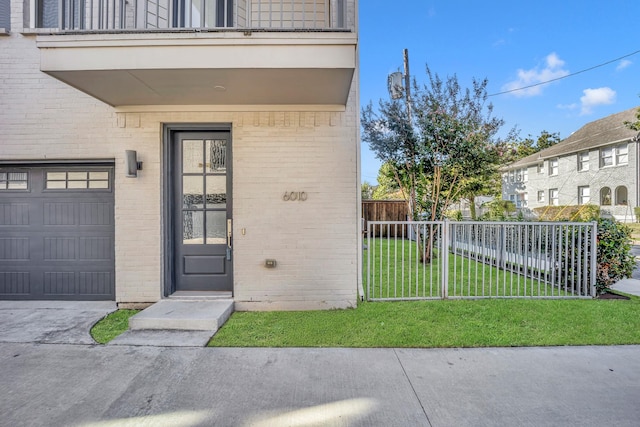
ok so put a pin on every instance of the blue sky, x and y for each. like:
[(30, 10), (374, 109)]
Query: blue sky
[(513, 44)]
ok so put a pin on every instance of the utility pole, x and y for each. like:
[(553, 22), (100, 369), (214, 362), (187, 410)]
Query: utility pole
[(407, 94), (407, 83)]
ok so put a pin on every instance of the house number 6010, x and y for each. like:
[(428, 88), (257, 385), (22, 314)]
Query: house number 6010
[(292, 196)]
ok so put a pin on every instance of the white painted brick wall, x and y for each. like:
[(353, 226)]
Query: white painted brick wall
[(315, 242), (569, 179)]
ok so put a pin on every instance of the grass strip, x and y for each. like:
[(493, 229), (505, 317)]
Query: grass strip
[(111, 325), (448, 323)]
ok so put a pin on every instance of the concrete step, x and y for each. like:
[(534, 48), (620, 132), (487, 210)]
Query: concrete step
[(185, 315), (201, 296), (163, 338)]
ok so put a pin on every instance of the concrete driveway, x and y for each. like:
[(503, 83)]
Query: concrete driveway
[(53, 322)]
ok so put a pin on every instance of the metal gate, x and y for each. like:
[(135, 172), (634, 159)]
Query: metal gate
[(477, 259)]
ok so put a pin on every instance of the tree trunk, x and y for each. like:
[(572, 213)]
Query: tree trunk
[(472, 208)]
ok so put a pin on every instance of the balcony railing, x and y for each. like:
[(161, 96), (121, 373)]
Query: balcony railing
[(145, 15)]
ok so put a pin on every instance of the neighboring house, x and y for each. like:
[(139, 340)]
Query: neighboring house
[(244, 115), (598, 164)]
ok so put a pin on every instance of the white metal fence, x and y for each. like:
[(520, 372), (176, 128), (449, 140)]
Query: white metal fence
[(466, 259), (141, 15)]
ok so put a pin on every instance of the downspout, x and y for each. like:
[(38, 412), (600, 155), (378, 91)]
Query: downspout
[(360, 227)]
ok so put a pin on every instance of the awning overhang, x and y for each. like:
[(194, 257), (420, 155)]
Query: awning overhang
[(186, 69)]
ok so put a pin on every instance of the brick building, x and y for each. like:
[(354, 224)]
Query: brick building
[(598, 164), (153, 148)]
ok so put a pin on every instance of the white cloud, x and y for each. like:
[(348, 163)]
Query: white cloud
[(594, 97), (553, 69), (502, 41), (567, 106), (499, 42), (554, 61), (623, 64)]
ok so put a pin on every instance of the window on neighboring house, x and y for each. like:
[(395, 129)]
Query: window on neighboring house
[(621, 196), (606, 157), (605, 196), (553, 197), (553, 166), (519, 175), (622, 157), (583, 161), (541, 196), (520, 200), (584, 195), (5, 14), (614, 155), (540, 167)]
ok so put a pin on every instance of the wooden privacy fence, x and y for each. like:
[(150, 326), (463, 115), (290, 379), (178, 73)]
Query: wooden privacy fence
[(386, 210)]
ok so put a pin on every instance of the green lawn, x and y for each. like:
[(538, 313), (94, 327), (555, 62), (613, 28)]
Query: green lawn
[(446, 323), (396, 272), (426, 324), (112, 325), (440, 323)]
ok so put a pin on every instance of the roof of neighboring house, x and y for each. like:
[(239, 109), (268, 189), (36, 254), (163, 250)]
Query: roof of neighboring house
[(594, 134)]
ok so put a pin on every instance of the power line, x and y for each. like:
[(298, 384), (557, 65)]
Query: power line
[(564, 77)]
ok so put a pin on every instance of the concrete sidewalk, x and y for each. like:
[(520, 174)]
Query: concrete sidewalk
[(629, 286), (90, 385), (71, 385)]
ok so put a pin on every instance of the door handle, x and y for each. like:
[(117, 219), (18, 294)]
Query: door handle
[(229, 240)]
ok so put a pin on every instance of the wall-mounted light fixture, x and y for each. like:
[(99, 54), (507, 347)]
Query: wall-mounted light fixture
[(132, 164)]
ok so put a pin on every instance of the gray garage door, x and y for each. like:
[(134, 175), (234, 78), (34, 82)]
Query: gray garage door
[(57, 232)]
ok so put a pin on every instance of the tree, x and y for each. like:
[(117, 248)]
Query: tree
[(473, 187), (499, 210), (634, 125), (546, 140), (439, 146), (517, 149), (367, 190), (387, 188)]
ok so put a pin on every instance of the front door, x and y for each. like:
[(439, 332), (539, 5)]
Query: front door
[(202, 211)]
